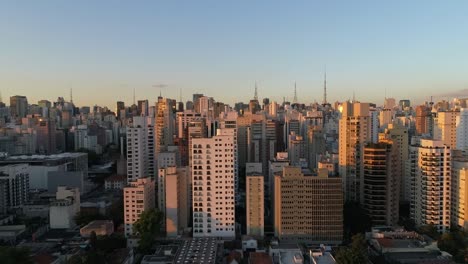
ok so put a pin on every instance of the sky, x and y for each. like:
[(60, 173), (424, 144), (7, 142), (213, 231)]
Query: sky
[(106, 49)]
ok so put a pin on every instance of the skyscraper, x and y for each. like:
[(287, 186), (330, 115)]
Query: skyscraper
[(308, 207), (354, 133), (213, 187), (164, 127), (255, 205), (18, 106), (423, 122), (431, 184), (140, 149), (445, 127), (462, 130), (138, 197), (381, 182)]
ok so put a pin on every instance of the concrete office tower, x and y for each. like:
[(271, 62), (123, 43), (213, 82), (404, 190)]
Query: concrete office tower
[(138, 197), (354, 133), (296, 149), (374, 125), (404, 104), (291, 125), (228, 124), (174, 199), (382, 170), (431, 184), (120, 110), (255, 205), (206, 106), (262, 140), (423, 120), (18, 106), (14, 186), (143, 107), (459, 201), (183, 119), (64, 209), (308, 207), (195, 129), (399, 136), (445, 127), (164, 127), (462, 130), (46, 136), (315, 145), (213, 187), (389, 103), (273, 109), (140, 149), (385, 117)]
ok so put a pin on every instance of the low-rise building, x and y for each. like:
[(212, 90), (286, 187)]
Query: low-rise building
[(115, 182), (100, 227), (64, 209)]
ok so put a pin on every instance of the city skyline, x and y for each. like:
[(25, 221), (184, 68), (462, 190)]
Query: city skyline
[(399, 49)]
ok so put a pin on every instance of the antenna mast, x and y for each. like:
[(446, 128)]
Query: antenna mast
[(295, 93), (325, 88), (256, 92)]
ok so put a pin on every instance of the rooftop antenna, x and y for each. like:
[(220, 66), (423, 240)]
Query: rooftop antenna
[(256, 92), (325, 87), (71, 95), (295, 93), (133, 95), (160, 86)]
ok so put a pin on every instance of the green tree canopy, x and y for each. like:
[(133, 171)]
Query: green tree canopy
[(13, 255), (147, 227), (355, 253)]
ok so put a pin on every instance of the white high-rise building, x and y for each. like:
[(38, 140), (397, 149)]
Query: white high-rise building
[(445, 127), (138, 197), (462, 129), (459, 201), (213, 186), (430, 181), (140, 149)]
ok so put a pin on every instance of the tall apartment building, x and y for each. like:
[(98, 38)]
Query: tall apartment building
[(139, 196), (381, 182), (46, 136), (423, 120), (255, 205), (182, 121), (445, 127), (229, 128), (308, 207), (140, 149), (213, 187), (462, 130), (14, 186), (174, 199), (315, 145), (18, 106), (385, 117), (354, 133), (262, 140), (431, 184), (164, 127), (296, 149), (398, 134), (459, 201)]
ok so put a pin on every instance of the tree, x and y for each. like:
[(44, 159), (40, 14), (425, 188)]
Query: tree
[(429, 230), (13, 255), (356, 220), (455, 243), (355, 253), (147, 227)]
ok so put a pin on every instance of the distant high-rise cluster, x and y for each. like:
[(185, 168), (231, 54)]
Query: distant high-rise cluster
[(261, 169)]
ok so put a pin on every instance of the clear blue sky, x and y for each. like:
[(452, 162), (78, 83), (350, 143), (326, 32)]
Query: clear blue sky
[(104, 49)]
